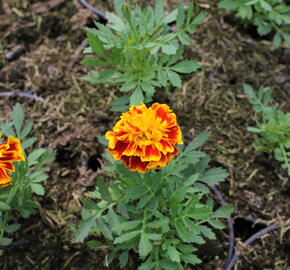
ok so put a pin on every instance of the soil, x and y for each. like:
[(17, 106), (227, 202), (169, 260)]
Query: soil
[(40, 50)]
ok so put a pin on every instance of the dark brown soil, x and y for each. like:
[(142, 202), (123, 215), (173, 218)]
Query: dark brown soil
[(40, 50)]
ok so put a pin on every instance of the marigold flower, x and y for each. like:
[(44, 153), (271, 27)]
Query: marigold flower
[(10, 151), (145, 138)]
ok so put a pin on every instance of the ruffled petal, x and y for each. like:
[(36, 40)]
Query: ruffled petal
[(151, 154), (15, 146), (5, 178), (7, 166)]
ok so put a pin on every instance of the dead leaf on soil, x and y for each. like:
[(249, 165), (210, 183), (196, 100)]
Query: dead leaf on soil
[(42, 7)]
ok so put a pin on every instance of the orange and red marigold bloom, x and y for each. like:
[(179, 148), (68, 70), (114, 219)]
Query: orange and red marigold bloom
[(10, 151), (145, 138)]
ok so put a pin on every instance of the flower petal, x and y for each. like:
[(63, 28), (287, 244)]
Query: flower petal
[(5, 178)]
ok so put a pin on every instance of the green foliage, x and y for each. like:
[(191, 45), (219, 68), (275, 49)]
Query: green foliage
[(137, 50), (266, 15), (26, 179), (272, 133), (162, 215)]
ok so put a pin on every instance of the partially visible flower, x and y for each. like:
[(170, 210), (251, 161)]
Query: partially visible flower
[(145, 138), (10, 151)]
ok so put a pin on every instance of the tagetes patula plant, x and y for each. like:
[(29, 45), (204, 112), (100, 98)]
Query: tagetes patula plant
[(164, 214), (138, 51), (20, 174), (272, 131), (267, 15)]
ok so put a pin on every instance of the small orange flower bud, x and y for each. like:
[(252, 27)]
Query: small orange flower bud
[(145, 138), (10, 151)]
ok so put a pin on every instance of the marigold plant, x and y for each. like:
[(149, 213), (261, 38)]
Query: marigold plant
[(269, 16), (145, 138), (272, 131), (163, 215), (138, 50), (21, 173), (10, 151)]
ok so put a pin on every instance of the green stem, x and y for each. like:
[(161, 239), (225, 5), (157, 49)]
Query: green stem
[(285, 156), (3, 225), (144, 220)]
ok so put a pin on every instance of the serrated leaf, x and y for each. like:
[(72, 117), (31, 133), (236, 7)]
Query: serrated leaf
[(186, 248), (123, 259), (184, 39), (18, 118), (207, 232), (113, 219), (137, 97), (104, 229), (85, 228), (158, 11), (223, 212), (190, 258), (5, 241), (180, 17), (148, 88), (182, 232), (199, 18), (4, 206), (201, 213), (254, 130), (90, 204), (115, 22), (121, 101), (277, 40), (245, 12), (104, 190), (37, 189), (95, 44), (122, 210), (285, 18), (216, 224), (214, 176), (145, 245), (148, 265), (128, 225), (185, 66), (171, 17), (199, 141), (35, 155), (228, 4), (286, 37), (169, 49), (12, 228), (126, 237), (162, 77), (174, 78), (173, 254), (129, 85), (265, 5), (94, 244), (154, 236), (26, 130)]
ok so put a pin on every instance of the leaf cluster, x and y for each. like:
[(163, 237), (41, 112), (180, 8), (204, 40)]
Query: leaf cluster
[(138, 51), (272, 133), (27, 177), (267, 15), (161, 215)]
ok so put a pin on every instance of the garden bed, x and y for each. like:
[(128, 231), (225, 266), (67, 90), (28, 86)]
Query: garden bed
[(41, 46)]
